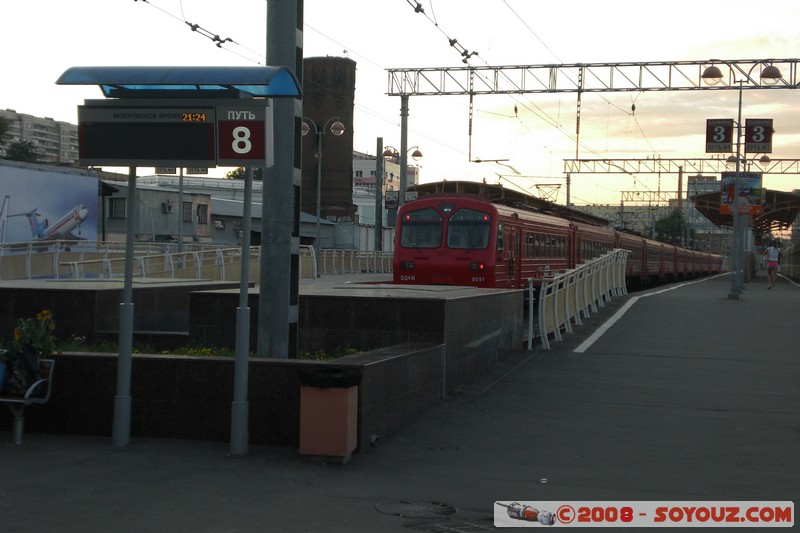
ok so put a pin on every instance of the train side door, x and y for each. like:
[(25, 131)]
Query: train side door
[(514, 256), (572, 247)]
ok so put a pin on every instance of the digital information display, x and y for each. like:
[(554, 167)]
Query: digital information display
[(172, 135)]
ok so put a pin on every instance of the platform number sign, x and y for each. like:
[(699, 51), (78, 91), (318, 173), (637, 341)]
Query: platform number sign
[(719, 135), (758, 135), (244, 136), (174, 133)]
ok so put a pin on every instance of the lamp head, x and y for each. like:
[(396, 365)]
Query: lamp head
[(304, 129), (389, 153), (416, 155), (337, 128), (771, 75), (712, 75)]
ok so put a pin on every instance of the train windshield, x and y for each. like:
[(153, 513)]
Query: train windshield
[(421, 229), (468, 229)]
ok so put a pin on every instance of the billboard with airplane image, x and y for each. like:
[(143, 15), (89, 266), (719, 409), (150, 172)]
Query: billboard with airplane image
[(45, 204)]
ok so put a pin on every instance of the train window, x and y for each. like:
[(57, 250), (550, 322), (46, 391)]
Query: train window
[(468, 229), (421, 229), (500, 237), (529, 245)]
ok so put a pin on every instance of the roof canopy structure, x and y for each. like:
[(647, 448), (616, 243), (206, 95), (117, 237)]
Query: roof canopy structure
[(779, 211), (186, 82)]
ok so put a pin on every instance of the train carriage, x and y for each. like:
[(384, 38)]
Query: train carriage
[(592, 242), (670, 262), (464, 239), (542, 245), (634, 267), (653, 264)]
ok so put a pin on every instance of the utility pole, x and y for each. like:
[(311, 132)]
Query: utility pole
[(280, 218)]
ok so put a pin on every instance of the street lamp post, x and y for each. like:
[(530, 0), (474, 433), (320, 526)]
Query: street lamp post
[(392, 153), (712, 76), (379, 196), (337, 128)]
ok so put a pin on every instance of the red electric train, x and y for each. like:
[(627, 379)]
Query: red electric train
[(463, 239)]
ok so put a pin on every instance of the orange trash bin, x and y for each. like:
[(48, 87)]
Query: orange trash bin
[(328, 414)]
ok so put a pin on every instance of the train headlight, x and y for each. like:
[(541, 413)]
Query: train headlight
[(406, 265), (477, 267)]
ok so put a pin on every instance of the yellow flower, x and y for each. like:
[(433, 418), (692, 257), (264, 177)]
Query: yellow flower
[(34, 334)]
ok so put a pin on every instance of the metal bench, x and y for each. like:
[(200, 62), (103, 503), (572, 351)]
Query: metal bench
[(38, 393)]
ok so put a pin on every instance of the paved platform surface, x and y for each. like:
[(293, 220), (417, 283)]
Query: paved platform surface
[(689, 395)]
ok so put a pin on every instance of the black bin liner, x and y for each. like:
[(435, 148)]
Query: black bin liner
[(329, 378)]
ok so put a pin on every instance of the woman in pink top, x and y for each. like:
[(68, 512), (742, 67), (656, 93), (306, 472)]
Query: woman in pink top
[(773, 254)]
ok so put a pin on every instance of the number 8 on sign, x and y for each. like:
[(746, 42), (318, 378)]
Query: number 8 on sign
[(241, 140)]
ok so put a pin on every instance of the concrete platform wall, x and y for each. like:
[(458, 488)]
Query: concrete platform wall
[(190, 397), (418, 345), (472, 323), (91, 309)]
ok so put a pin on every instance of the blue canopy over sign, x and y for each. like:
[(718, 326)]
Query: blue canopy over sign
[(186, 82)]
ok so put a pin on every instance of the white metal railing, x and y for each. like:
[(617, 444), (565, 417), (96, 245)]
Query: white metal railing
[(106, 260), (565, 298), (352, 262), (218, 264), (80, 258)]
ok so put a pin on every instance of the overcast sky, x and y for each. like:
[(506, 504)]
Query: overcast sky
[(45, 37)]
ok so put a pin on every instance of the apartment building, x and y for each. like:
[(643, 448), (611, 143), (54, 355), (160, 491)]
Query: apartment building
[(55, 142)]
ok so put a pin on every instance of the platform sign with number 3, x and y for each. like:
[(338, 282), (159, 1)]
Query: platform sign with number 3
[(719, 135), (758, 135)]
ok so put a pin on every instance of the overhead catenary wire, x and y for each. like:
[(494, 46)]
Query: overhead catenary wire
[(259, 58), (532, 108), (529, 106), (465, 54), (219, 42), (556, 123), (231, 45)]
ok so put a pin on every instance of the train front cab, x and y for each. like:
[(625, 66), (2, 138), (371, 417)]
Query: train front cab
[(446, 241)]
